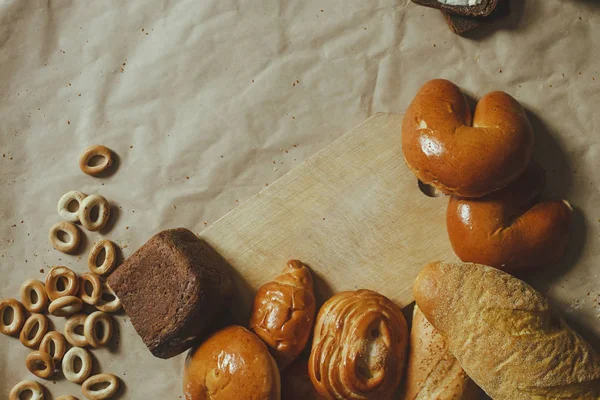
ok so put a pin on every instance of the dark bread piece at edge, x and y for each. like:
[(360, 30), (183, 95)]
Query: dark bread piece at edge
[(481, 10), (173, 288), (460, 24)]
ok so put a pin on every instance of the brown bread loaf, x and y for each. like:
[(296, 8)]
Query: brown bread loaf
[(173, 288)]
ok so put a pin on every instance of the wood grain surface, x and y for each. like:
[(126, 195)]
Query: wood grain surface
[(353, 213)]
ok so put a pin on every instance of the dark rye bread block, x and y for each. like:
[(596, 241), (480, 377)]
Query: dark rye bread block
[(485, 8), (174, 288), (460, 24)]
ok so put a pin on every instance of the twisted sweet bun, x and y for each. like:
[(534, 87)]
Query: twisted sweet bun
[(232, 364), (460, 155), (432, 372), (284, 311), (508, 229), (359, 347)]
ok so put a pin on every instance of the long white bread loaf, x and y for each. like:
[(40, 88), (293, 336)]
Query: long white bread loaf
[(505, 336), (434, 373)]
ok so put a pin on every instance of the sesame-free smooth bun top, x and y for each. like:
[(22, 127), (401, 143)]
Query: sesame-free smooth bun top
[(460, 154), (232, 364), (505, 335)]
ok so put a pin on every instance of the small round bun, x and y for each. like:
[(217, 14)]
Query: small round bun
[(460, 154), (510, 229), (231, 364)]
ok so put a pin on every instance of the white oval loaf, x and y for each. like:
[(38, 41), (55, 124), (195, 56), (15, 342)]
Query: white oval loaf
[(505, 336)]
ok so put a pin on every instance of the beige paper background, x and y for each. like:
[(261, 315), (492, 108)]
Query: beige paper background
[(205, 102)]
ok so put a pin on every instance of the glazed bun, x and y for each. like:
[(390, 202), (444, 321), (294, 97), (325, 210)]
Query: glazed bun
[(462, 155), (232, 364)]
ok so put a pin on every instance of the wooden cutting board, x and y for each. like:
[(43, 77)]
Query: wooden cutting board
[(353, 213)]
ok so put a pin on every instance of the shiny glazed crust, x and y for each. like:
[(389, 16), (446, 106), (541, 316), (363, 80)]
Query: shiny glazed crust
[(359, 347), (231, 364), (432, 372), (284, 311), (504, 334), (460, 155), (509, 229)]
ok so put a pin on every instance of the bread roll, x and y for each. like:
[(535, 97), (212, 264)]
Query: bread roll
[(284, 311), (505, 335), (460, 155), (509, 229), (232, 364), (432, 372), (359, 347)]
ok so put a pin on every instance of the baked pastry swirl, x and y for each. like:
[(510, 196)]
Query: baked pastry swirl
[(359, 347)]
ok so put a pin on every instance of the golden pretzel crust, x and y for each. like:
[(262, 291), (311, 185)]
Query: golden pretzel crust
[(108, 306), (100, 394), (110, 258), (73, 337), (89, 153), (462, 155), (71, 230), (38, 287), (54, 274), (60, 345), (85, 212), (15, 326), (96, 294), (284, 311), (65, 306), (34, 359), (22, 387), (90, 331), (359, 347), (29, 324)]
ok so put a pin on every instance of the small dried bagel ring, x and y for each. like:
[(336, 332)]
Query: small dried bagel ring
[(100, 394), (110, 257), (92, 152), (68, 364), (71, 230), (94, 280), (73, 337), (33, 341), (37, 392), (85, 212), (63, 205), (65, 306), (66, 398), (56, 273), (40, 364), (60, 345), (91, 333), (18, 317), (29, 287), (110, 305)]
